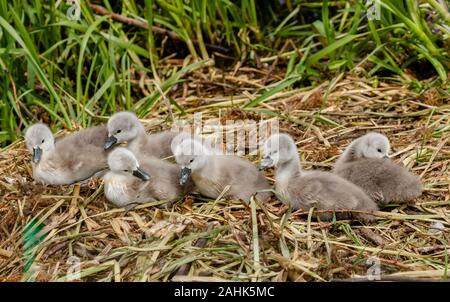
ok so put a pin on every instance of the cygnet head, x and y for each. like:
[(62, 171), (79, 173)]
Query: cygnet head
[(372, 145), (123, 161), (191, 155), (122, 127), (279, 148), (39, 139)]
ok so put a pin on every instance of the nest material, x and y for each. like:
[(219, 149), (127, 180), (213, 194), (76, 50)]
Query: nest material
[(209, 240)]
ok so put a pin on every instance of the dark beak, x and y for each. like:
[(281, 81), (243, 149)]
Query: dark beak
[(265, 163), (184, 175), (141, 174), (385, 157), (37, 154), (110, 141)]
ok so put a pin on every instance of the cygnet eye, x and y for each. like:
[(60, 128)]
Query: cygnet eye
[(379, 150), (126, 171), (118, 131), (192, 160), (43, 140)]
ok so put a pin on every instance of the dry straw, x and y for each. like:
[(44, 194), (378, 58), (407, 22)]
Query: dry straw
[(214, 240)]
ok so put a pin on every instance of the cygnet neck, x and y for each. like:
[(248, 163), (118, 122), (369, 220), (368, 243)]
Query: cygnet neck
[(140, 128), (350, 154), (292, 167), (141, 135)]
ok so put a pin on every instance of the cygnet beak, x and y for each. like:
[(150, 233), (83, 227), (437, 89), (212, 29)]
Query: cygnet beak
[(265, 163), (141, 174), (110, 141), (37, 154), (184, 175)]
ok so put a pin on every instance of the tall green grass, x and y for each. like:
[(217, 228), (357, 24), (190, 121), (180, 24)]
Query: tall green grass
[(75, 72)]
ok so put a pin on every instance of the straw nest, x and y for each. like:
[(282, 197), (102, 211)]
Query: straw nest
[(213, 240)]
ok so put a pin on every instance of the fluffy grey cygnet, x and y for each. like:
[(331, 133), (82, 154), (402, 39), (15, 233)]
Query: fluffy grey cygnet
[(307, 189), (126, 127), (212, 172), (73, 158), (365, 162), (130, 181)]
